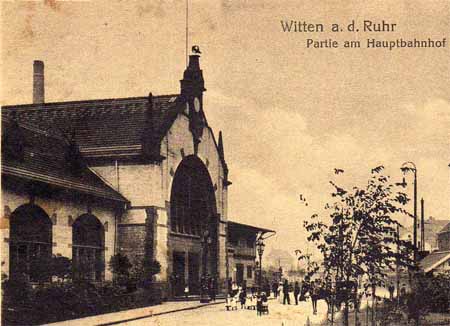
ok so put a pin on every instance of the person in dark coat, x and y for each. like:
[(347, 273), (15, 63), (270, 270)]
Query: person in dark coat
[(315, 288), (267, 288), (296, 292), (286, 292), (242, 298), (391, 289), (275, 289), (213, 289)]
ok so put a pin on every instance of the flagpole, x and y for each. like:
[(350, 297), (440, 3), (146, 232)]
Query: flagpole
[(187, 29)]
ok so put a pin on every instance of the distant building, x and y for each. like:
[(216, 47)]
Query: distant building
[(439, 261), (444, 238), (432, 228)]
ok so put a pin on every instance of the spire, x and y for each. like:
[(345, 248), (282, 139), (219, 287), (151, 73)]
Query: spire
[(192, 83), (220, 146), (222, 158)]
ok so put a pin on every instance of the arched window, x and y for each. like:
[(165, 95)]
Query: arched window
[(30, 243), (192, 200), (88, 253)]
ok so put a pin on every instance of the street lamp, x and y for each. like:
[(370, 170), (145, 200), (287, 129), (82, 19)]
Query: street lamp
[(260, 248), (405, 168), (206, 242)]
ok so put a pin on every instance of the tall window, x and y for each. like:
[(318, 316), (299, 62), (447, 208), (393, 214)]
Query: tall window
[(193, 203), (249, 272), (30, 243), (88, 243)]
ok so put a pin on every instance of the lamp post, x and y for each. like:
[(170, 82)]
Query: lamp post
[(260, 248), (411, 167), (206, 242)]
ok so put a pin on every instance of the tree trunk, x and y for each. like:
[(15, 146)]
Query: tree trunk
[(346, 312), (356, 307), (373, 304)]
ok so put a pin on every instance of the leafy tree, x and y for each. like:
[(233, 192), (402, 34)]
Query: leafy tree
[(360, 238)]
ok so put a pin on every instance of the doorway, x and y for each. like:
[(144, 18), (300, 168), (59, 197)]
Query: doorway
[(239, 274), (178, 273), (194, 272)]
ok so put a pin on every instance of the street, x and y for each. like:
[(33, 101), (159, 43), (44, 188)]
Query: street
[(217, 315)]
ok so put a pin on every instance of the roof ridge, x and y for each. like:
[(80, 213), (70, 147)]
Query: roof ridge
[(51, 105)]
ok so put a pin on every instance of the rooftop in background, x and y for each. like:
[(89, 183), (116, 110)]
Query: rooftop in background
[(433, 260), (240, 226), (446, 228)]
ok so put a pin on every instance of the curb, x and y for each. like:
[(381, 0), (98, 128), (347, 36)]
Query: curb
[(159, 314)]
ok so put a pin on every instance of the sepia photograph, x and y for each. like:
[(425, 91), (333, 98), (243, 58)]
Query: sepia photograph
[(225, 162)]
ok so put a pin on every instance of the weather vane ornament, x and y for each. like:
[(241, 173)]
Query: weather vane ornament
[(196, 49)]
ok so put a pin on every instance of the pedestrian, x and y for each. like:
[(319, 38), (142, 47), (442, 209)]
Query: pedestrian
[(275, 289), (403, 294), (296, 292), (234, 289), (266, 288), (286, 293), (391, 289), (230, 286), (315, 288), (242, 298), (186, 291), (212, 289), (280, 290)]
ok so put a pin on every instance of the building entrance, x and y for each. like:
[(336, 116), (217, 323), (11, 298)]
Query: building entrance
[(239, 274), (194, 273), (186, 273), (178, 278), (193, 224)]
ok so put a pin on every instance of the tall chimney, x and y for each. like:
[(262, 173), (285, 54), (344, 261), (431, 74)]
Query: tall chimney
[(38, 82)]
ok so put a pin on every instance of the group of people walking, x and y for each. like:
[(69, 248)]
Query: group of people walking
[(251, 299), (247, 298), (300, 290)]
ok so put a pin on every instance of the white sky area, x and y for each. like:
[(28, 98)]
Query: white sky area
[(289, 115)]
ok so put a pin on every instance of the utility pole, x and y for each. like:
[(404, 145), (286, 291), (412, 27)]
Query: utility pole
[(398, 267), (422, 225), (415, 215), (411, 167)]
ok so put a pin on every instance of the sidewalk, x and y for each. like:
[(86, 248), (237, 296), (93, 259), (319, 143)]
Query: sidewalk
[(120, 317)]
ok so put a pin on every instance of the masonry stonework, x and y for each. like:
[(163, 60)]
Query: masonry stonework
[(64, 209)]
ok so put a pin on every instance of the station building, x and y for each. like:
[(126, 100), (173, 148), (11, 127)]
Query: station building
[(143, 176)]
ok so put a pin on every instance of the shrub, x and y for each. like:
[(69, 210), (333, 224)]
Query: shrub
[(120, 266), (16, 291), (61, 267)]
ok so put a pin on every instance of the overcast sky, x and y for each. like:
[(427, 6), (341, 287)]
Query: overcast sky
[(289, 115)]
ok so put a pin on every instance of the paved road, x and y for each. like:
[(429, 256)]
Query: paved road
[(286, 315)]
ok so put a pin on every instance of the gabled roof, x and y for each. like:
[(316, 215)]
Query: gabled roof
[(246, 227), (433, 260), (122, 127), (445, 229), (44, 159)]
